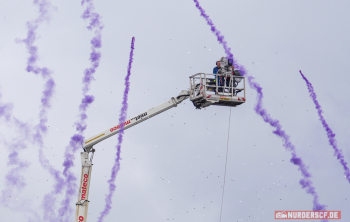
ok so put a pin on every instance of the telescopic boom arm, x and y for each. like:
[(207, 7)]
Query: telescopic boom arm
[(83, 202), (88, 143)]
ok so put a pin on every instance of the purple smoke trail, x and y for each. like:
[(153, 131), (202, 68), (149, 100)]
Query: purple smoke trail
[(5, 110), (14, 180), (46, 74), (305, 182), (122, 118), (77, 140), (331, 136), (41, 128)]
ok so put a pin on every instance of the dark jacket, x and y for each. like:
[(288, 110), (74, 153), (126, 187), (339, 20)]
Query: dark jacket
[(219, 78)]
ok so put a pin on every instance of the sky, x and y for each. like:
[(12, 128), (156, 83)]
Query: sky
[(173, 165)]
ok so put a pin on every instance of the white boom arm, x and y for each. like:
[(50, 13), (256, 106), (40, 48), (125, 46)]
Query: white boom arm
[(82, 204), (88, 143)]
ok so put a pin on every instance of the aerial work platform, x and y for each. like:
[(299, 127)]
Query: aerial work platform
[(205, 90), (225, 88), (222, 88)]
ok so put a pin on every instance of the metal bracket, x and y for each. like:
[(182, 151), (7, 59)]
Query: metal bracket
[(81, 202), (92, 155), (85, 161), (174, 101), (88, 149)]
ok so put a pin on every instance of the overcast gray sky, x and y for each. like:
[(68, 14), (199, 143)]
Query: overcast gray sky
[(173, 164)]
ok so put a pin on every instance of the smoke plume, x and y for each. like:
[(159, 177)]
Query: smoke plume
[(331, 136), (14, 179), (305, 182), (122, 118), (77, 139)]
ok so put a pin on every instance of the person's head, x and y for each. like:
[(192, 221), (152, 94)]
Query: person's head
[(233, 68), (218, 64)]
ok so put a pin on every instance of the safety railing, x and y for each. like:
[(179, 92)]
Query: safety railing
[(204, 84)]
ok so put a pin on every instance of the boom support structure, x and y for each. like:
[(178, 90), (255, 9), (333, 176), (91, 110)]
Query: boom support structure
[(83, 202)]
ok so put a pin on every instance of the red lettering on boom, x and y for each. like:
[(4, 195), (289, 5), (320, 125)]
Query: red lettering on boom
[(117, 127), (84, 187)]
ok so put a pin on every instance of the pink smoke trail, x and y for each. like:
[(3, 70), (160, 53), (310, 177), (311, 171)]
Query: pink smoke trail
[(77, 139), (331, 136), (305, 182), (122, 118)]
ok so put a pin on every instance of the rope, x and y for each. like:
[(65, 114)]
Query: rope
[(228, 137)]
